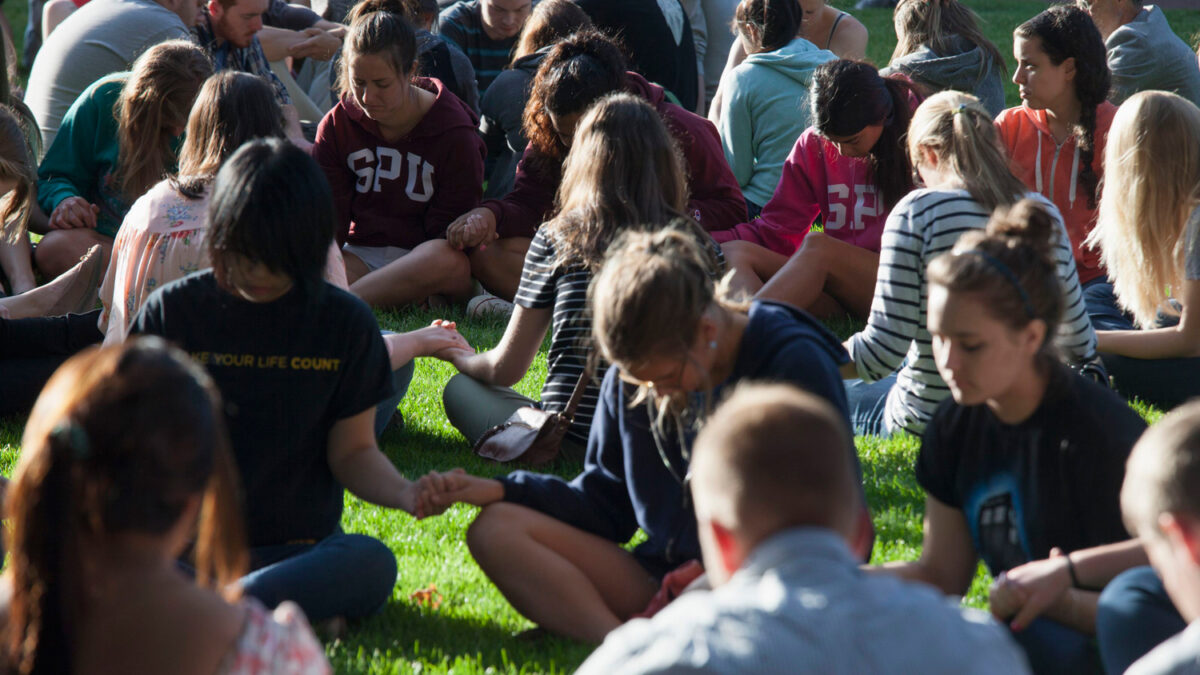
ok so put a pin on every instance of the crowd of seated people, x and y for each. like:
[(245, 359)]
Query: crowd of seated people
[(203, 203)]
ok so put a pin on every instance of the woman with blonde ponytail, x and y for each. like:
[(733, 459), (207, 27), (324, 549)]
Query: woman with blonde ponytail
[(1147, 232), (955, 149)]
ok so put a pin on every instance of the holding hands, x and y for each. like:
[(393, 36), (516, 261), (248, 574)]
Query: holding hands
[(437, 492), (475, 228), (1024, 593), (72, 213)]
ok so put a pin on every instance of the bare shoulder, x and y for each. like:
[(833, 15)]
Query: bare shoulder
[(849, 40)]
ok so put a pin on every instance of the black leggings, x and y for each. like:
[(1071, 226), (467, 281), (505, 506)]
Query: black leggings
[(32, 349)]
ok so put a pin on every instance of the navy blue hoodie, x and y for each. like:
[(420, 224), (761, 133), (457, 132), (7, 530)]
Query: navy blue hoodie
[(625, 482)]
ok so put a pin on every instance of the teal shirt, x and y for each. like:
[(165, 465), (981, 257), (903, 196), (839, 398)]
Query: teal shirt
[(83, 157), (765, 109)]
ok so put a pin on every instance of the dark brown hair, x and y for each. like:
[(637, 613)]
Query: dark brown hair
[(847, 96), (579, 70), (777, 21), (551, 21), (1067, 32), (1011, 267)]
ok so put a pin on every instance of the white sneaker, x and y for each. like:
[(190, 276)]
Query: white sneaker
[(488, 305)]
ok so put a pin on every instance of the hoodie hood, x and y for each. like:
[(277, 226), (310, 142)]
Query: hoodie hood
[(966, 67), (773, 329), (795, 60), (447, 112), (636, 84), (530, 62)]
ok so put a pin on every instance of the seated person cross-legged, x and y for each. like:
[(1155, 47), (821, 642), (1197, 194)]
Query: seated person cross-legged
[(552, 546), (302, 366), (1022, 467), (403, 158)]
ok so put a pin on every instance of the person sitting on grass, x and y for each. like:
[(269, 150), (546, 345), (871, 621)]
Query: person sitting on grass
[(849, 169), (1148, 232), (956, 150), (403, 158), (1023, 467), (1159, 501), (1056, 138), (552, 546), (117, 140), (164, 236), (623, 172), (577, 72), (300, 401), (765, 107), (776, 504), (940, 46), (1143, 52), (124, 469)]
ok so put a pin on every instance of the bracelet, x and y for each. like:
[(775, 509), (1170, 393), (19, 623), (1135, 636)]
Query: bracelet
[(1071, 571)]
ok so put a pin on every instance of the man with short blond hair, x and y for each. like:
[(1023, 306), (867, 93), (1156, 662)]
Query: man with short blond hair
[(1143, 52)]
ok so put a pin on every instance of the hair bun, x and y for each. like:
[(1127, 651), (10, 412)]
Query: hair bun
[(1028, 222)]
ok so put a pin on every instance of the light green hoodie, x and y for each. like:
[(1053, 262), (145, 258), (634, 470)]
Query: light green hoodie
[(764, 110)]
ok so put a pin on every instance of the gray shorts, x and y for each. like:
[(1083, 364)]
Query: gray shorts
[(375, 257)]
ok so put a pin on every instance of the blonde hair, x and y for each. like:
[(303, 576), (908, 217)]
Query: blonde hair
[(154, 101), (623, 170), (935, 23), (1145, 205), (959, 130)]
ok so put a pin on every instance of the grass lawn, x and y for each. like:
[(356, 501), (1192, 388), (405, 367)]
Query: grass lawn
[(474, 628)]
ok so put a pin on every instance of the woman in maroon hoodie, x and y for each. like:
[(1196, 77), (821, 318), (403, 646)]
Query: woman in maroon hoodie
[(403, 158), (576, 73)]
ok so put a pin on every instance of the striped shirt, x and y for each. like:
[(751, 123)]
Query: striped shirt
[(462, 24), (546, 285), (923, 225)]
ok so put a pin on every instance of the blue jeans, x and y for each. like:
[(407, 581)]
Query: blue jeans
[(401, 378), (1165, 383), (1101, 302), (1134, 616), (867, 402), (1053, 648), (348, 575)]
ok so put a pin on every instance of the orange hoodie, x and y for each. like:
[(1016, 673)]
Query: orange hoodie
[(1053, 170)]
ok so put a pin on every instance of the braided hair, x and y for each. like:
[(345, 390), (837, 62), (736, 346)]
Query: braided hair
[(1065, 31)]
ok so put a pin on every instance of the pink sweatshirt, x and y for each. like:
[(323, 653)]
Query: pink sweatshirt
[(817, 180)]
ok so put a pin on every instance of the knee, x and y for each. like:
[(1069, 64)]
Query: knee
[(373, 563), (452, 262), (497, 527), (1125, 594)]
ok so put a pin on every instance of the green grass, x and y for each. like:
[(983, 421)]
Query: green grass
[(475, 630)]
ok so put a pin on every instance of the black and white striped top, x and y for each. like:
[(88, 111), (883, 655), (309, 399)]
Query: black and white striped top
[(922, 226), (545, 285)]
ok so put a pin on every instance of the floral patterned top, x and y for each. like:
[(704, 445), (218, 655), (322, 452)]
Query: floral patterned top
[(275, 643), (161, 240)]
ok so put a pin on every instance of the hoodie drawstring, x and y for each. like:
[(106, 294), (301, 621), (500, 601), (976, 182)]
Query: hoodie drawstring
[(1074, 176), (1038, 163)]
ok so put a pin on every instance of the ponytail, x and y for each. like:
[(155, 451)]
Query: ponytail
[(957, 128)]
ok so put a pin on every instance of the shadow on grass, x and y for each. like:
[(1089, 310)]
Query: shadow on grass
[(407, 633)]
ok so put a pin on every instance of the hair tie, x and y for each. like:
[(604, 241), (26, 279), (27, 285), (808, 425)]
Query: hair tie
[(74, 438), (961, 109), (1007, 273)]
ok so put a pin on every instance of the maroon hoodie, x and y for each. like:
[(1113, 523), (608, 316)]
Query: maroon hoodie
[(716, 200), (405, 192)]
